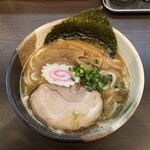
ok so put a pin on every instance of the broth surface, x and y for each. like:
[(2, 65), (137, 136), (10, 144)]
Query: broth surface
[(72, 52)]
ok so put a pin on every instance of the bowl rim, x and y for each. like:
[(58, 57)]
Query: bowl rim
[(90, 137)]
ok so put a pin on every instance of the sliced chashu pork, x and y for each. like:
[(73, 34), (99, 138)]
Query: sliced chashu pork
[(56, 106)]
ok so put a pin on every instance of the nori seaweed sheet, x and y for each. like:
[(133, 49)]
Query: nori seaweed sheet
[(90, 25)]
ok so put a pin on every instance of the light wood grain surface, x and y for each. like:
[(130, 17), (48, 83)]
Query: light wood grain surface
[(17, 19)]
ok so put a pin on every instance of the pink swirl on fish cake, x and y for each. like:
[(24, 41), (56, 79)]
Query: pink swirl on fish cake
[(60, 75)]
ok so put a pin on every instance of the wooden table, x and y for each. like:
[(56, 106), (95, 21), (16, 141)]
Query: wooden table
[(17, 19)]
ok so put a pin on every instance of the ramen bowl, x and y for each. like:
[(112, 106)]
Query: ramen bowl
[(35, 40)]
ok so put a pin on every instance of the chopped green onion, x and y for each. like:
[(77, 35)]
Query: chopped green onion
[(75, 114), (106, 79), (70, 69), (84, 68), (94, 86), (88, 62), (96, 79), (97, 61), (81, 71), (89, 88), (77, 74), (81, 66), (87, 77), (83, 81), (100, 85), (91, 79), (74, 73), (121, 87), (88, 83), (97, 75)]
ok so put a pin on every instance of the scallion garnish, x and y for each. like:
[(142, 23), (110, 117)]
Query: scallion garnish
[(91, 79), (96, 61), (87, 62), (75, 114)]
